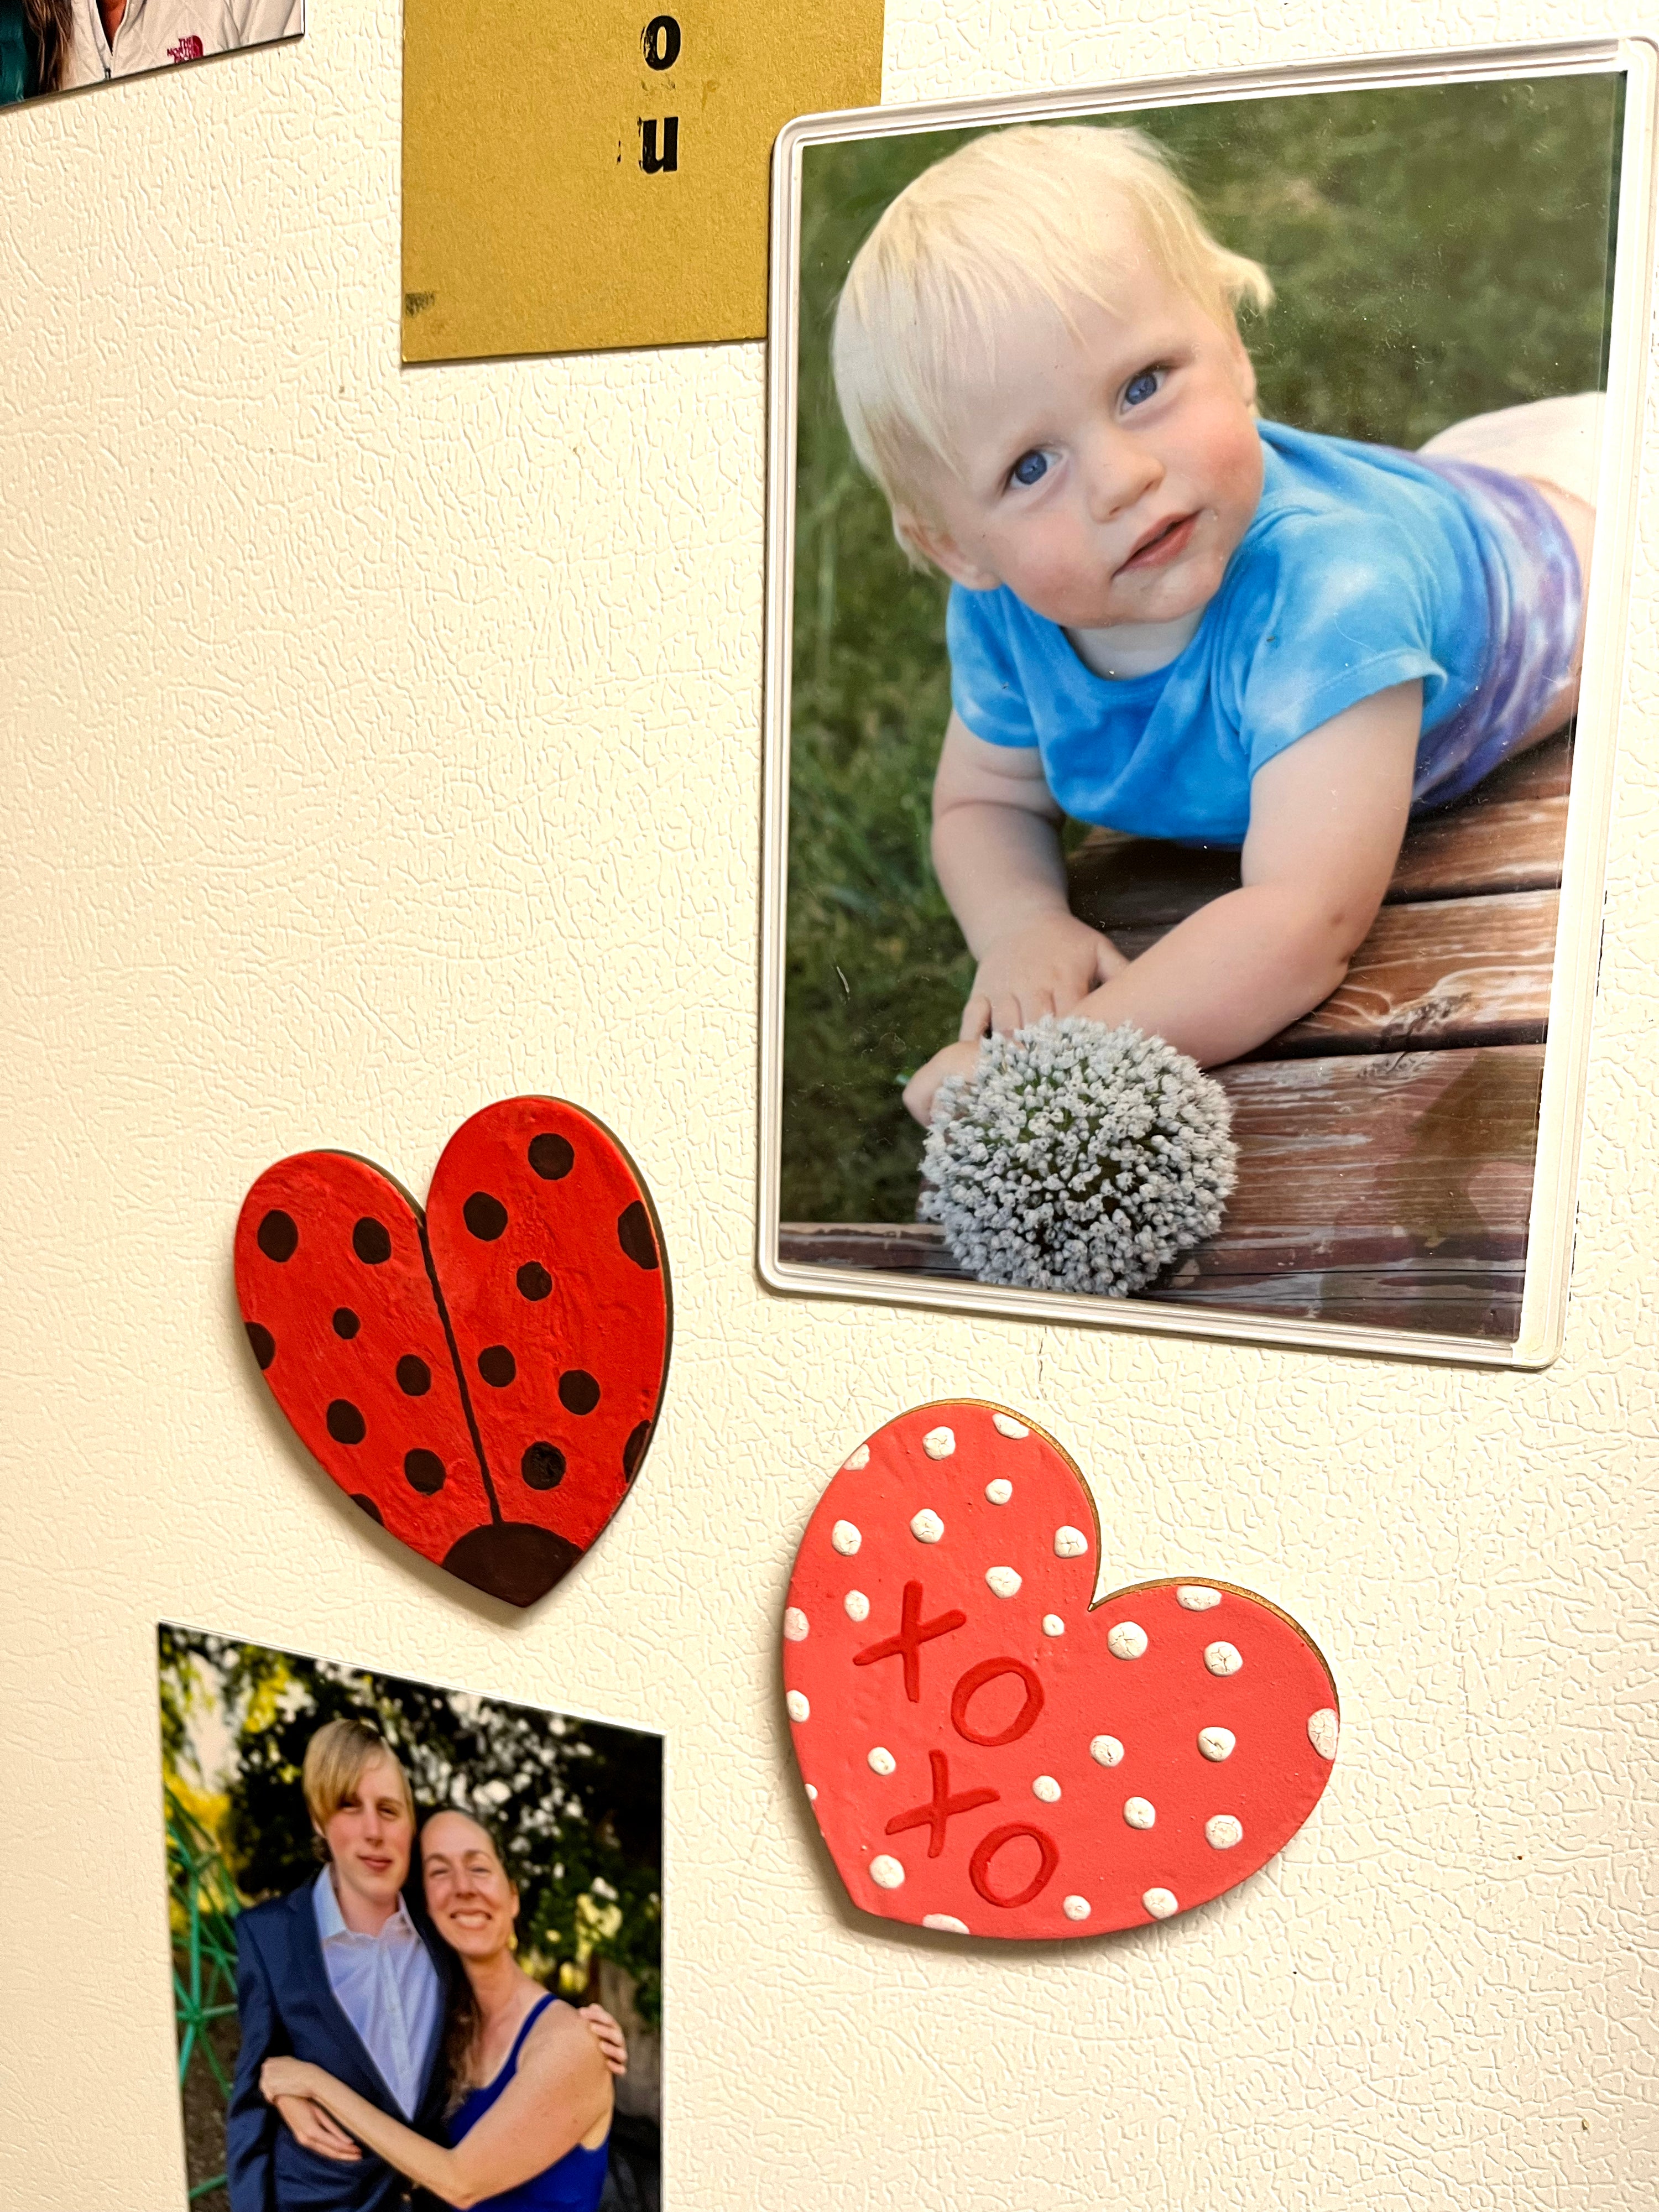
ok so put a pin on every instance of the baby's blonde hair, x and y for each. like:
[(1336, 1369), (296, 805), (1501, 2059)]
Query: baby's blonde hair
[(1040, 214)]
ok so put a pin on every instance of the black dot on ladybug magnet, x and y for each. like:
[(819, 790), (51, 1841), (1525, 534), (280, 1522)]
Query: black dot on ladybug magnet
[(552, 1156), (424, 1471), (634, 1450), (486, 1217), (345, 1424), (366, 1505), (578, 1391), (371, 1240), (278, 1236), (533, 1280), (413, 1376), (512, 1559), (497, 1365), (634, 1235), (346, 1323), (264, 1343), (543, 1466)]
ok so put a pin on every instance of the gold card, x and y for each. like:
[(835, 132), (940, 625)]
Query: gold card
[(586, 174)]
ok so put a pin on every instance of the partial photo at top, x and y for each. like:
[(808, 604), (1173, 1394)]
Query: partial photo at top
[(59, 45), (1200, 538)]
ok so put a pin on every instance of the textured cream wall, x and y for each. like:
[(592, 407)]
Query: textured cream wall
[(378, 744)]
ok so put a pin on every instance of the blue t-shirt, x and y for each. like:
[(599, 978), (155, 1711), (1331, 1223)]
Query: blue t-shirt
[(1362, 567)]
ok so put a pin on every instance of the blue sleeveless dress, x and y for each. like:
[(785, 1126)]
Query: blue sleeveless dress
[(571, 2183)]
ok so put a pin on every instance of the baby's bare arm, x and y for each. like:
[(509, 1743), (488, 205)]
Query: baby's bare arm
[(1327, 817), (997, 850), (995, 841)]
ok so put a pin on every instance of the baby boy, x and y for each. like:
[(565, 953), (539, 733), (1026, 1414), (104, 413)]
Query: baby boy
[(1168, 616)]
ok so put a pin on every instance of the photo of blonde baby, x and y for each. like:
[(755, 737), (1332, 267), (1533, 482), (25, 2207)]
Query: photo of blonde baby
[(1359, 632), (1268, 663)]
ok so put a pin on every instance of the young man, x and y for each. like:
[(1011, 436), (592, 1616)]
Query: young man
[(347, 1973)]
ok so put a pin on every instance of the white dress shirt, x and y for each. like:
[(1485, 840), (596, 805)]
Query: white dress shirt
[(387, 1988)]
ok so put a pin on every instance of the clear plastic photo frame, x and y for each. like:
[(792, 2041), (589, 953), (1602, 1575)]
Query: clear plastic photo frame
[(1324, 1285)]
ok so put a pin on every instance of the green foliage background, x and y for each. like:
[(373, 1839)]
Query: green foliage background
[(1437, 252), (577, 1806)]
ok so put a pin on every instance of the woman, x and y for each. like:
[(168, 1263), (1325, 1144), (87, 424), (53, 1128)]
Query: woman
[(530, 2094), (35, 40)]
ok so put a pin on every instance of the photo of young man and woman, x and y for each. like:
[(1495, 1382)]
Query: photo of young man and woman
[(416, 1942), (57, 46), (1192, 527)]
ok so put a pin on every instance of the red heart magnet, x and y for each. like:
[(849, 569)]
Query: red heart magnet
[(481, 1379), (990, 1752)]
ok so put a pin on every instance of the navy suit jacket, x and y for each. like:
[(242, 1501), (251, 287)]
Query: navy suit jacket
[(287, 2009)]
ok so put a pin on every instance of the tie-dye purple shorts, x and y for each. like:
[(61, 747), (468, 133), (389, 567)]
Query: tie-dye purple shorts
[(1535, 595)]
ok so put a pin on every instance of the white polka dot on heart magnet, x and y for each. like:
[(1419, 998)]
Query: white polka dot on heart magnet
[(995, 1751)]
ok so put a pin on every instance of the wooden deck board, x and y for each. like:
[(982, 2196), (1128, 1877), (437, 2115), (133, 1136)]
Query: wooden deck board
[(1389, 1190), (1509, 836), (1386, 1140)]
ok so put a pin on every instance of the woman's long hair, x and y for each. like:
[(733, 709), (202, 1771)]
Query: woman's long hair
[(49, 35), (461, 2034)]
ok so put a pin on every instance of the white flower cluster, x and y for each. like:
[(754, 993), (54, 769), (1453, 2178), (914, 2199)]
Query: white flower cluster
[(1078, 1158)]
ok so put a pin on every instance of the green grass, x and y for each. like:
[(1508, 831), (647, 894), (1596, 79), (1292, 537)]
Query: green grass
[(1437, 252)]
